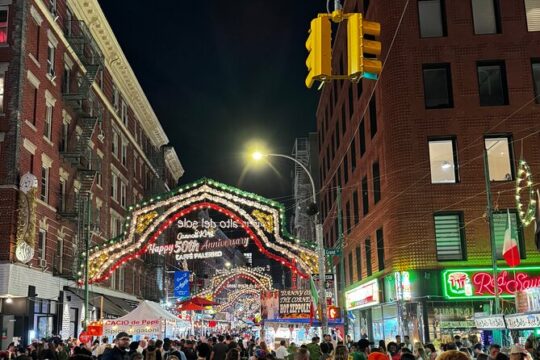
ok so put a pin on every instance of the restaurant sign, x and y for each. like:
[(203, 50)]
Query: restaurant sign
[(362, 296), (523, 321), (478, 283), (490, 322)]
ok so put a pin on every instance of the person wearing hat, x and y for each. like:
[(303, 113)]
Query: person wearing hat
[(518, 352), (119, 352)]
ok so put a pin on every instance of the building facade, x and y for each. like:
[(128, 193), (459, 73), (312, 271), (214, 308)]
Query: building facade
[(79, 136), (408, 154)]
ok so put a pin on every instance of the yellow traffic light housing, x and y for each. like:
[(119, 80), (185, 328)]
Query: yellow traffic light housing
[(363, 53), (319, 47)]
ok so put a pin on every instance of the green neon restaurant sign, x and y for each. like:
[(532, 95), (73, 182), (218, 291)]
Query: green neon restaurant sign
[(478, 283)]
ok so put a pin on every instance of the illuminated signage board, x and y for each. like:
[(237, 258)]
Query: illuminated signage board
[(362, 296), (523, 321), (478, 283), (490, 322)]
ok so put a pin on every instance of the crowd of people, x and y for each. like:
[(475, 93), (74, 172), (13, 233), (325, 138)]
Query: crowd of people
[(229, 347)]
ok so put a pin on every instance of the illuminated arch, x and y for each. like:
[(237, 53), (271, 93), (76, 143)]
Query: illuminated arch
[(218, 283), (234, 297), (262, 220)]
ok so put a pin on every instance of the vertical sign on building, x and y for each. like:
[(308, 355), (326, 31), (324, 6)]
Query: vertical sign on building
[(181, 284)]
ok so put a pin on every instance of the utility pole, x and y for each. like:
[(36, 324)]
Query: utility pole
[(86, 234), (340, 247), (497, 334)]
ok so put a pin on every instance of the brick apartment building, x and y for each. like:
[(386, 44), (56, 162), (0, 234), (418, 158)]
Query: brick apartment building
[(74, 115), (409, 160)]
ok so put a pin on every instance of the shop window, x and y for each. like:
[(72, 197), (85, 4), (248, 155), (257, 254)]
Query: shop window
[(500, 223), (442, 160), (485, 16), (492, 86), (431, 17), (499, 158), (437, 86), (532, 10), (449, 236)]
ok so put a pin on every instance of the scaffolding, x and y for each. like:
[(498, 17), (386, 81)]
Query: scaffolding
[(303, 226)]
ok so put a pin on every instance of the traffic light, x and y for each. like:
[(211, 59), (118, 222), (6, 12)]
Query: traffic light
[(319, 47), (363, 53), (333, 312)]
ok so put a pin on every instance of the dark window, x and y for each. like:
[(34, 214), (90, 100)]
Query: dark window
[(351, 268), (366, 6), (356, 213), (358, 263), (333, 147), (376, 183), (373, 116), (351, 102), (337, 135), (343, 119), (437, 86), (431, 16), (368, 256), (536, 79), (380, 249), (449, 236), (345, 170), (34, 108), (353, 154), (492, 85), (347, 218), (362, 139), (486, 16), (359, 89), (365, 197)]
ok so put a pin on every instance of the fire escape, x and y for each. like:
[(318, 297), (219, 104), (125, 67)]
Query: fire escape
[(76, 147), (303, 225)]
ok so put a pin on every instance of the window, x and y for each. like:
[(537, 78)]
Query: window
[(442, 160), (376, 182), (52, 7), (34, 106), (42, 243), (66, 80), (362, 140), (121, 279), (366, 6), (373, 116), (380, 249), (44, 195), (47, 131), (114, 186), (365, 197), (351, 268), (348, 218), (62, 195), (437, 86), (2, 86), (99, 176), (51, 50), (64, 138), (353, 154), (124, 113), (356, 212), (367, 249), (485, 16), (500, 224), (114, 144), (124, 153), (499, 158), (123, 194), (492, 86), (431, 17), (449, 236), (536, 79), (345, 170), (358, 263), (351, 101), (3, 25), (532, 8), (343, 119), (60, 255)]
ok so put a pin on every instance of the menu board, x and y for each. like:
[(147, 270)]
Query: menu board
[(295, 304)]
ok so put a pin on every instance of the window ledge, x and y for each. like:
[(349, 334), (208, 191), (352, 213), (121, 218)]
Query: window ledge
[(47, 140), (30, 125), (41, 202), (32, 57)]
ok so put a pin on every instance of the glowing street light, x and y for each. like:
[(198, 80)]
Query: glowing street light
[(257, 155)]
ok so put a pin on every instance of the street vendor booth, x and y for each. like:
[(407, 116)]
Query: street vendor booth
[(149, 319)]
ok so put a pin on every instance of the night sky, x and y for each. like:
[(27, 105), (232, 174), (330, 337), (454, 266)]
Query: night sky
[(219, 73)]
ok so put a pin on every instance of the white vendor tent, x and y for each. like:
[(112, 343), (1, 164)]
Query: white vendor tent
[(148, 319)]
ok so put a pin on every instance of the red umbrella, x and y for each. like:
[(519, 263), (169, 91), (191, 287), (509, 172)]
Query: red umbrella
[(189, 306), (202, 301)]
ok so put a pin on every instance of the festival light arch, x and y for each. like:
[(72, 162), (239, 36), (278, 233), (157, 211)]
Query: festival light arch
[(263, 221), (219, 282), (253, 294)]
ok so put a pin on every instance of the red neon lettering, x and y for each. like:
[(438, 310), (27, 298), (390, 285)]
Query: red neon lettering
[(484, 285)]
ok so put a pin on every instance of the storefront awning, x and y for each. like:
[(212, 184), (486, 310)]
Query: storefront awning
[(111, 309)]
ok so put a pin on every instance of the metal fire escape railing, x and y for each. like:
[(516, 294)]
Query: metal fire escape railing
[(303, 225)]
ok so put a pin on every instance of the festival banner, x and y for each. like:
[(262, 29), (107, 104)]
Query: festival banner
[(181, 284), (295, 304), (269, 305)]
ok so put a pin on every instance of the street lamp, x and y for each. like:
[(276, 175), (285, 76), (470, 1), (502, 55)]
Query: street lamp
[(257, 156)]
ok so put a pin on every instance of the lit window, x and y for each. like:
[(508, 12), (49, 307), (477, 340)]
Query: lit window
[(499, 159), (532, 9), (485, 15), (431, 18), (3, 26), (442, 159)]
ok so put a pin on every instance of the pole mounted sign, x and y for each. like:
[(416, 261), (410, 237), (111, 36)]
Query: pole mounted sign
[(479, 283)]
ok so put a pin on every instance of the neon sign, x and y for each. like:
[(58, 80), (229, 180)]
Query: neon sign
[(478, 283), (362, 296)]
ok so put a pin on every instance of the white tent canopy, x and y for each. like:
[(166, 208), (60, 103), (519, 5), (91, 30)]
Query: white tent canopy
[(148, 319)]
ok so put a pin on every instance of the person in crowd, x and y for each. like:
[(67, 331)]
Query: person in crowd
[(376, 353), (398, 339), (407, 342), (151, 352), (292, 349), (203, 351), (420, 353), (382, 346), (159, 349), (432, 352), (219, 351), (94, 347), (407, 356), (101, 348), (452, 355), (314, 349), (327, 339), (142, 346), (341, 353), (137, 356), (302, 354), (494, 350), (281, 351), (233, 354), (119, 351), (518, 352), (133, 346), (482, 356), (81, 353), (189, 350), (393, 351)]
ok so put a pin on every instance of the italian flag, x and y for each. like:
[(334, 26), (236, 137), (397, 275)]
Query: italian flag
[(314, 293), (510, 246)]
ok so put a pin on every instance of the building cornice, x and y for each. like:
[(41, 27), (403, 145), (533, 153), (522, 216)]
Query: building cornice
[(173, 163)]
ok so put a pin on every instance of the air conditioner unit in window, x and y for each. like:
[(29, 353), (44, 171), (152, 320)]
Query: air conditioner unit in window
[(42, 263)]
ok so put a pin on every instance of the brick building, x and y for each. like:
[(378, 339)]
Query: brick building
[(74, 115), (409, 160)]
